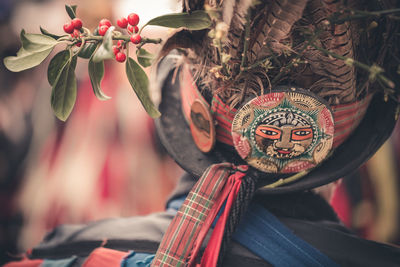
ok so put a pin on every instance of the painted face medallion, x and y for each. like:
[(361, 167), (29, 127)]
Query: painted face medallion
[(284, 131)]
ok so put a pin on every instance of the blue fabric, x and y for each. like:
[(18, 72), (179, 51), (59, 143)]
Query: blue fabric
[(59, 263), (174, 205), (264, 235), (135, 259)]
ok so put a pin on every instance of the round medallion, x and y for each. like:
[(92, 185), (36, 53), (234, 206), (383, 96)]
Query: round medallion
[(202, 126), (286, 131)]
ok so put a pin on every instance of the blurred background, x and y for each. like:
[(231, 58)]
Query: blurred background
[(106, 161)]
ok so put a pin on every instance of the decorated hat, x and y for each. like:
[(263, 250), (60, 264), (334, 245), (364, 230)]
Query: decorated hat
[(299, 105), (277, 97)]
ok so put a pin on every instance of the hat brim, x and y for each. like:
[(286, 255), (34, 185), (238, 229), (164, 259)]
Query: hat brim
[(176, 137)]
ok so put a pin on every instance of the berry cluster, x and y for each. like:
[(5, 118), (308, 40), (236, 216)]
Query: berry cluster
[(130, 24), (104, 24), (75, 24), (74, 28), (119, 51)]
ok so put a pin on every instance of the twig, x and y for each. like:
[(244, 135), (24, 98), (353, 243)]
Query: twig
[(246, 42), (359, 14)]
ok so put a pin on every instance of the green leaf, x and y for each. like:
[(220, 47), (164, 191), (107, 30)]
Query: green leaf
[(197, 20), (140, 84), (144, 58), (63, 95), (71, 10), (105, 50), (57, 64), (54, 36), (96, 73), (87, 50), (26, 60), (36, 42)]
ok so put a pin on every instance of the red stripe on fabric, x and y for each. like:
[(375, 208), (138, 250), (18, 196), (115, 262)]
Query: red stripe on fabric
[(105, 257), (220, 107), (225, 134), (24, 263), (223, 121), (356, 117), (339, 113), (345, 117), (350, 106), (221, 126), (346, 125), (350, 125), (227, 141)]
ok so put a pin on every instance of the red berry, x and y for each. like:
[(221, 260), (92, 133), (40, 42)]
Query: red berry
[(115, 49), (120, 43), (103, 29), (105, 22), (76, 34), (120, 57), (77, 23), (68, 27), (122, 23), (130, 29), (136, 29), (78, 44), (136, 38), (133, 19)]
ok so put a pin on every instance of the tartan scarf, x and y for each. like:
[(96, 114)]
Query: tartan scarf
[(182, 241)]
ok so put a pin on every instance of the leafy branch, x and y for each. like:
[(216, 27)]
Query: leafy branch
[(96, 47)]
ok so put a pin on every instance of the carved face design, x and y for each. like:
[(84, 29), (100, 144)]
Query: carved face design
[(284, 134), (284, 142)]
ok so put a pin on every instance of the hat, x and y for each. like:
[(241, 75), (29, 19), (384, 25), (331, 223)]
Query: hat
[(277, 97), (348, 106)]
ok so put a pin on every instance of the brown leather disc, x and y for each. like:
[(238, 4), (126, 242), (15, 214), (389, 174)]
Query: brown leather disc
[(202, 126)]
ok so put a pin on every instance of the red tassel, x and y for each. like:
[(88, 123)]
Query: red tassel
[(182, 241), (210, 256)]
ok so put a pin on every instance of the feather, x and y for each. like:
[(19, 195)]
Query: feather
[(274, 25), (236, 26), (241, 9), (338, 38), (227, 11)]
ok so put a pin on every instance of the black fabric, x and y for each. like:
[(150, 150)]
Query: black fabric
[(175, 135), (305, 213), (299, 205)]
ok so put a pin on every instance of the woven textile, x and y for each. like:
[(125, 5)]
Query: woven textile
[(184, 236)]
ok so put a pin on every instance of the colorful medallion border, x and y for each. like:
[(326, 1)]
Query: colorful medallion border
[(286, 131)]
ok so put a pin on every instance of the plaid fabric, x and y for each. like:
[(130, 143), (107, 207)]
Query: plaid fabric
[(185, 234)]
